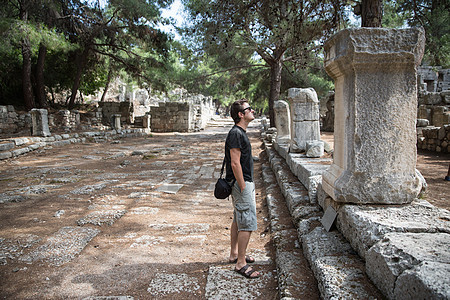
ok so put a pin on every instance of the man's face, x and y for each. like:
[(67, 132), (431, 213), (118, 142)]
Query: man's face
[(248, 113)]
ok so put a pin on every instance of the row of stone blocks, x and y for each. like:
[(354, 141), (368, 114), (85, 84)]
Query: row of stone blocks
[(435, 139), (14, 147), (401, 250)]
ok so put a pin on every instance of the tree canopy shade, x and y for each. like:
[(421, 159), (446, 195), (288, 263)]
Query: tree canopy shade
[(279, 31), (434, 16), (122, 34)]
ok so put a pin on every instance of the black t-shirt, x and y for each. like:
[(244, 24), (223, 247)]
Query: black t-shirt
[(237, 138)]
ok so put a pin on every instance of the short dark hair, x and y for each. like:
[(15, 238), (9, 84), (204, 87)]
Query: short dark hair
[(236, 108)]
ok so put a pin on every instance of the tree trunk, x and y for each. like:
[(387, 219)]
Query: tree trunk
[(26, 64), (371, 13), (81, 61), (275, 87), (40, 86), (276, 66), (108, 81)]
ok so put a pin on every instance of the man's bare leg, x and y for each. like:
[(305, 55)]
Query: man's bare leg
[(234, 242), (243, 239)]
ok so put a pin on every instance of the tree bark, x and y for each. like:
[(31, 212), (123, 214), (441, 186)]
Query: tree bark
[(276, 66), (275, 88), (371, 13), (26, 64), (81, 61), (108, 81), (40, 85)]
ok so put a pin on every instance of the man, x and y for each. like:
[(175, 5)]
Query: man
[(239, 162)]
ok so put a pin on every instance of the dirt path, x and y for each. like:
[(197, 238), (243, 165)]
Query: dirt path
[(133, 218)]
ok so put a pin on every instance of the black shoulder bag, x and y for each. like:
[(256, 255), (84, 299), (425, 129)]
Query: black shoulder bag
[(222, 189)]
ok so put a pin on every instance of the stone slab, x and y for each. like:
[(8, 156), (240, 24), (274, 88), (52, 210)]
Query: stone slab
[(282, 149), (337, 268), (89, 189), (343, 277), (319, 243), (169, 285), (20, 151), (5, 155), (144, 210), (420, 282), (224, 283), (6, 198), (5, 146), (309, 171), (388, 260), (169, 188), (14, 247), (364, 226), (101, 217), (110, 298), (61, 247)]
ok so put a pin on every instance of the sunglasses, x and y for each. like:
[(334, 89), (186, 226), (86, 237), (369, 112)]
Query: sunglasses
[(249, 108)]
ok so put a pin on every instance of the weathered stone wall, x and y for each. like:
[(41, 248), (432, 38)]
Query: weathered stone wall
[(171, 117), (203, 110), (434, 139), (11, 122), (65, 120), (435, 107), (124, 108)]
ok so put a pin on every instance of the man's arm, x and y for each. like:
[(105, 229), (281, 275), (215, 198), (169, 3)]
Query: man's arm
[(235, 154)]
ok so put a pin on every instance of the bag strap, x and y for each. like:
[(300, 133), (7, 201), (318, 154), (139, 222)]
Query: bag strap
[(223, 167)]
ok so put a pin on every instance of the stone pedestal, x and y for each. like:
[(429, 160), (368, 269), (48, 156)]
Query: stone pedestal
[(375, 74), (305, 125), (282, 121), (116, 121), (39, 119), (146, 121)]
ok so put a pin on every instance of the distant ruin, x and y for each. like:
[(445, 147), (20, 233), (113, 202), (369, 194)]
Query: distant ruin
[(183, 112)]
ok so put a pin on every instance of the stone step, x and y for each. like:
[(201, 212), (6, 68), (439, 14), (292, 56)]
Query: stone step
[(295, 278), (339, 271)]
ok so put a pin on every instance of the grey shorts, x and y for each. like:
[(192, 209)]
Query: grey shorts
[(244, 204)]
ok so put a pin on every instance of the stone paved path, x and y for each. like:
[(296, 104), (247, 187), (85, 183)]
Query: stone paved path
[(131, 219)]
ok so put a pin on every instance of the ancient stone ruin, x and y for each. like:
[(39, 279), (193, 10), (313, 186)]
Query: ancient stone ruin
[(190, 113), (433, 109), (370, 192)]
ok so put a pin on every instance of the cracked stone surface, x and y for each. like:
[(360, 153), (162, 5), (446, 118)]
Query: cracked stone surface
[(166, 245)]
